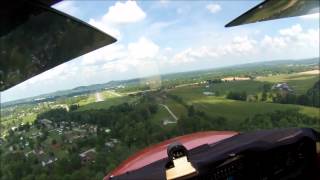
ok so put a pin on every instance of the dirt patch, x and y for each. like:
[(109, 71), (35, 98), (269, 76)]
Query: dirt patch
[(317, 71)]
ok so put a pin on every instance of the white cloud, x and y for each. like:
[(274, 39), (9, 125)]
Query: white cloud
[(293, 42), (239, 46), (104, 55), (143, 48), (292, 31), (314, 16), (276, 43), (213, 8), (106, 27), (164, 1), (137, 56), (179, 10), (117, 15), (119, 66), (168, 49), (67, 7), (123, 13), (156, 28), (58, 71), (293, 37)]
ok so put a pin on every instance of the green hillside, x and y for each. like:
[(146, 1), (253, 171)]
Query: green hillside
[(300, 83), (234, 111), (107, 103)]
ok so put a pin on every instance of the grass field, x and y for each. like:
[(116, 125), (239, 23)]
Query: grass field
[(234, 111), (238, 86), (300, 83), (178, 109), (28, 118), (162, 115), (107, 103)]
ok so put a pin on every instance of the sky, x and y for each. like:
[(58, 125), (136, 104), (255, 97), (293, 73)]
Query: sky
[(158, 37)]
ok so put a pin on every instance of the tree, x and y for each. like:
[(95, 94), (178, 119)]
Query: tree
[(264, 96), (75, 162), (73, 107), (266, 87), (191, 111), (303, 99), (153, 108), (314, 94), (242, 96), (53, 142)]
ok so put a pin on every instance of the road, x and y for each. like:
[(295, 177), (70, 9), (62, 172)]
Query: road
[(170, 112)]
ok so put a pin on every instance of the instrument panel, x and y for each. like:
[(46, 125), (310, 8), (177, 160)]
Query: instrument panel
[(294, 161), (279, 154)]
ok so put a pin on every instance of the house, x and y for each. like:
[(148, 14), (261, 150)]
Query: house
[(14, 128), (107, 130), (92, 129), (282, 87), (48, 160), (45, 122), (111, 142), (39, 152), (29, 153), (166, 122), (208, 93), (227, 79), (88, 156)]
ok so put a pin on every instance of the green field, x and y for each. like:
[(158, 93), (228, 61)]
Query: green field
[(218, 106), (234, 111), (300, 83), (238, 86), (107, 103), (162, 115), (178, 109)]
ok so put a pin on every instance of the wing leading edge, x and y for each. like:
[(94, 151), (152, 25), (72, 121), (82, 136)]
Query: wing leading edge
[(276, 9), (36, 38)]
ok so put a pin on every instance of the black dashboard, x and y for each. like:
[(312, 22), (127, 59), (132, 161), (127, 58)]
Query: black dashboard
[(293, 161), (279, 154)]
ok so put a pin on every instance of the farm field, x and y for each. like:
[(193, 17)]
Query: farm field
[(69, 126), (232, 109), (300, 83), (111, 101)]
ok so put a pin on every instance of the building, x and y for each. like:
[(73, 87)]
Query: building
[(282, 87), (45, 122), (88, 156), (208, 93), (47, 160)]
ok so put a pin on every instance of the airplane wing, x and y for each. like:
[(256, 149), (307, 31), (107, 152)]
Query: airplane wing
[(35, 37), (276, 9)]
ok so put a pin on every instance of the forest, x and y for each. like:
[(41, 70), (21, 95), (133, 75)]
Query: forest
[(132, 126)]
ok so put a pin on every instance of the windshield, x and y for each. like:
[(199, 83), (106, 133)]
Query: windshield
[(174, 70)]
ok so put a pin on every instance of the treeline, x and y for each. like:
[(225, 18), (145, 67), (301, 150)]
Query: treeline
[(241, 96), (280, 119), (134, 128), (310, 98), (131, 124), (178, 99)]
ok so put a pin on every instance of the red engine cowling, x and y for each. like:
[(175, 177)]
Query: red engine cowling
[(159, 151)]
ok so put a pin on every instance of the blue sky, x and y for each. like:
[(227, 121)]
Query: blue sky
[(156, 37)]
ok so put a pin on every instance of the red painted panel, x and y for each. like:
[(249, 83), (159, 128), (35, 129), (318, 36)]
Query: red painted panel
[(159, 151)]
